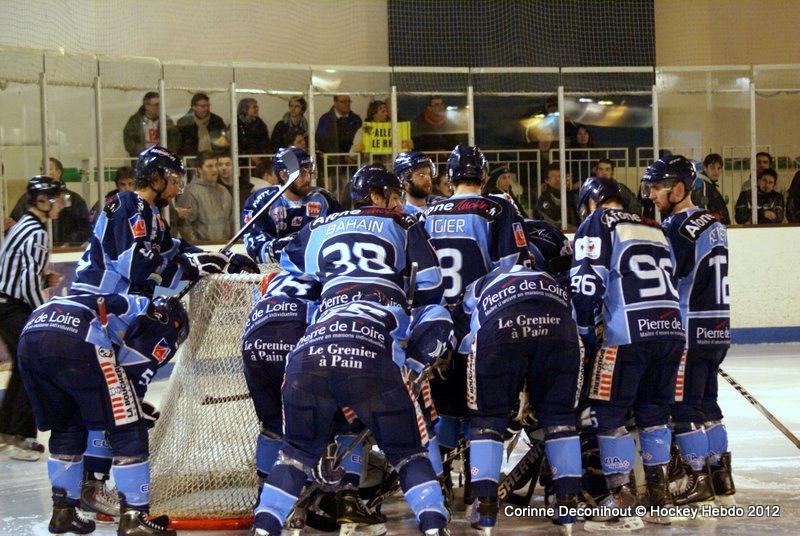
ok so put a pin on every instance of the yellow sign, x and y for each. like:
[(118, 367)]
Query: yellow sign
[(377, 137)]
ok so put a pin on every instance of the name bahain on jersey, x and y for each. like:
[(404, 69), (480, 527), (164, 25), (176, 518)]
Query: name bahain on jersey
[(624, 265), (283, 218), (368, 250), (700, 244), (379, 330), (130, 251), (473, 235), (502, 289)]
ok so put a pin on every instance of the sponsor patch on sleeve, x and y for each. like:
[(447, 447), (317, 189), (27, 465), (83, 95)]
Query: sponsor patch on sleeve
[(247, 215), (161, 350), (519, 235), (138, 228), (313, 209), (588, 247)]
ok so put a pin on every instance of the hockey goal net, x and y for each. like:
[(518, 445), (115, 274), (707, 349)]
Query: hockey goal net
[(202, 459)]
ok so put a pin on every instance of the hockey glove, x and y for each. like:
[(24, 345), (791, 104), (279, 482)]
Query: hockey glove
[(197, 265), (149, 414), (273, 250), (241, 264)]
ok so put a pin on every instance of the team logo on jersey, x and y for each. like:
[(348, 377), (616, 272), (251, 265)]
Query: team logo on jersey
[(313, 209), (297, 221), (247, 215), (519, 235), (161, 350), (588, 247), (138, 228)]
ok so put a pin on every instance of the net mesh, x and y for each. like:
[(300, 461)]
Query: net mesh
[(202, 459)]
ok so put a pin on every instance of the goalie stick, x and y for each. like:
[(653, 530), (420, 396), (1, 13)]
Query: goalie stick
[(293, 167)]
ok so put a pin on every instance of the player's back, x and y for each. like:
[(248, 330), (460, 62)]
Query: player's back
[(286, 299), (700, 245), (625, 261), (369, 248), (473, 234), (544, 305)]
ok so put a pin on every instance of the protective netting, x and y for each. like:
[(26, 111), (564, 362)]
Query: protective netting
[(534, 33), (202, 453)]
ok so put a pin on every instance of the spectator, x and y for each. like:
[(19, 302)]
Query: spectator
[(200, 129), (579, 155), (253, 132), (793, 200), (293, 123), (142, 129), (770, 202), (499, 183), (210, 215), (764, 161), (377, 112), (300, 140), (225, 169), (123, 180), (431, 131), (705, 190), (263, 175), (604, 169), (337, 127), (74, 225), (549, 203), (23, 281)]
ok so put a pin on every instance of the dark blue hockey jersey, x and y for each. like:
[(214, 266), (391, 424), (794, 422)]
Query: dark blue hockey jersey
[(380, 330), (502, 289), (283, 218), (624, 266), (367, 250), (139, 351), (700, 244), (473, 235), (130, 250), (286, 299)]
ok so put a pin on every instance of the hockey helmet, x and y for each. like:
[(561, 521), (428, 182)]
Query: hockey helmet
[(406, 163), (157, 159), (304, 160), (373, 177), (667, 171), (42, 185), (599, 190), (466, 163)]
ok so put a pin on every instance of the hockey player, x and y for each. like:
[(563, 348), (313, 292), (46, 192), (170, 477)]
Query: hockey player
[(370, 247), (521, 331), (81, 374), (131, 250), (416, 171), (300, 204), (472, 235), (352, 356), (700, 243), (622, 272), (274, 326)]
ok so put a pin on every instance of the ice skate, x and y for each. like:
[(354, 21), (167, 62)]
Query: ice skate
[(100, 500), (354, 517), (623, 497), (137, 523), (722, 481), (66, 518), (482, 514)]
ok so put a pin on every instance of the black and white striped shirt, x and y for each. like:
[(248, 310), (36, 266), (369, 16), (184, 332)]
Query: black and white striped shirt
[(23, 259)]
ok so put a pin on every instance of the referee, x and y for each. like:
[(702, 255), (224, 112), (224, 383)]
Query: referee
[(23, 260)]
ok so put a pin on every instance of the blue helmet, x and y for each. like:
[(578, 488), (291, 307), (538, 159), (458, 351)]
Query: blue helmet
[(157, 159), (370, 177), (466, 163), (669, 169), (160, 330), (599, 190), (303, 159), (406, 163)]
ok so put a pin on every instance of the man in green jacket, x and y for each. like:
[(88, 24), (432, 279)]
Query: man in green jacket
[(142, 129)]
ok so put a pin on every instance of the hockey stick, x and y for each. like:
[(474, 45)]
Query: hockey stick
[(527, 467), (412, 283), (770, 417), (293, 167)]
